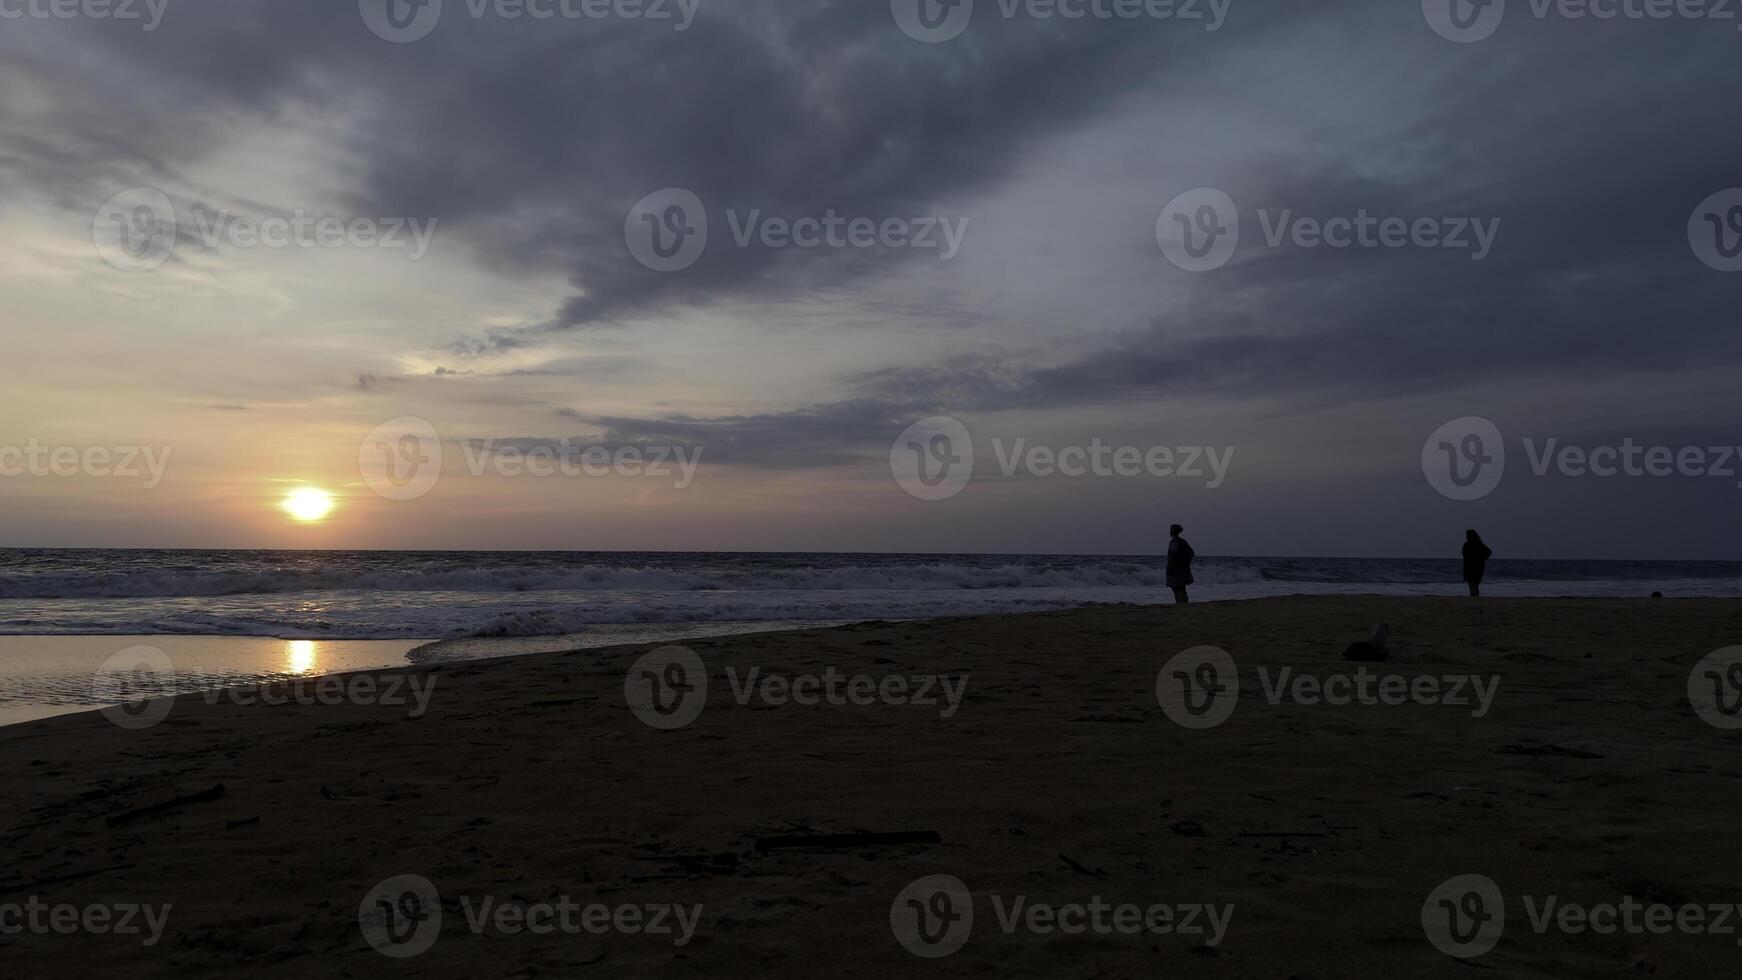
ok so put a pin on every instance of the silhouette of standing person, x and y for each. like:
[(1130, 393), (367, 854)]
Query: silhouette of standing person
[(1179, 563), (1476, 555)]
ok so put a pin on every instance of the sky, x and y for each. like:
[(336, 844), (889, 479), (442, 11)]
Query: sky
[(1340, 278)]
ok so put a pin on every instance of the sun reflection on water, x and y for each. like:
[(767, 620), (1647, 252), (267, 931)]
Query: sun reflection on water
[(301, 656)]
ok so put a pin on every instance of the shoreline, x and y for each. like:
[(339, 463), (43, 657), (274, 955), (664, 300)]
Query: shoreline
[(244, 662), (484, 649), (1057, 777)]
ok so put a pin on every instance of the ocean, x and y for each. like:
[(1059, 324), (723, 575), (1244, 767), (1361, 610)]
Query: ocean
[(446, 595)]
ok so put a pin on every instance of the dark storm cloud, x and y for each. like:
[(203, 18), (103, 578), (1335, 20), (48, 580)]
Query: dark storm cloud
[(1587, 179), (1590, 274), (1589, 141), (536, 138)]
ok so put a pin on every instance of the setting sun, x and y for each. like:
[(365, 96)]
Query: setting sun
[(308, 504)]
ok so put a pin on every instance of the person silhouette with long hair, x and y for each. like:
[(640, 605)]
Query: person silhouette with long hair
[(1179, 563), (1476, 555)]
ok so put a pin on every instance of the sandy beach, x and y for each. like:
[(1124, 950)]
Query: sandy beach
[(1548, 746)]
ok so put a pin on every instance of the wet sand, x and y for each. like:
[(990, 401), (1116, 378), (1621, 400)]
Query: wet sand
[(43, 676), (1058, 778)]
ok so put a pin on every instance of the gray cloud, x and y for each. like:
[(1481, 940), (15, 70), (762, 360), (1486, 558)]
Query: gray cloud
[(535, 139), (532, 140)]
